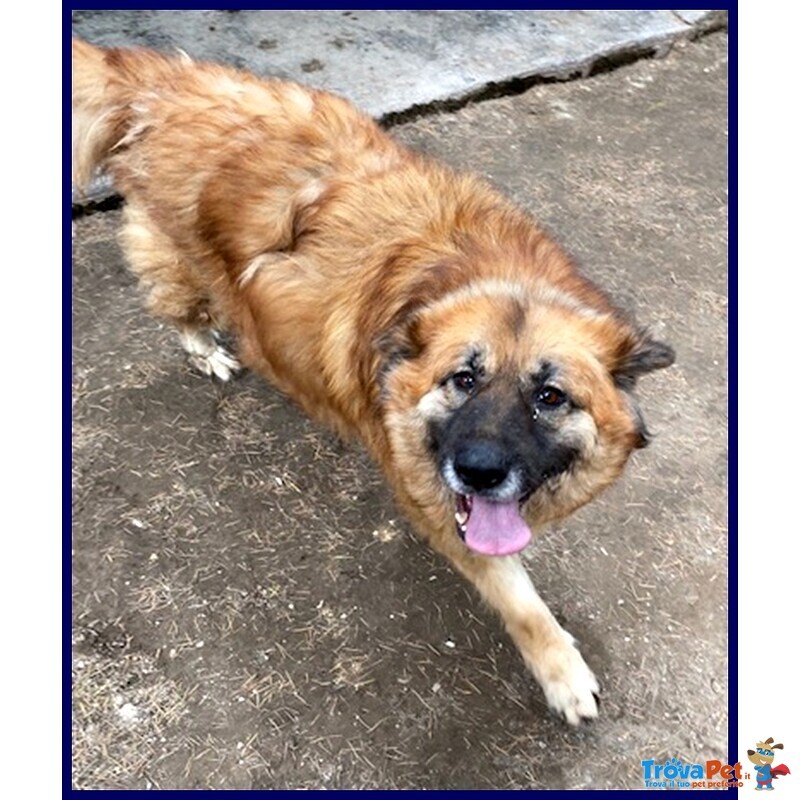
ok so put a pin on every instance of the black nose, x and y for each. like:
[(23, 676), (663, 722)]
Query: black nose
[(481, 465)]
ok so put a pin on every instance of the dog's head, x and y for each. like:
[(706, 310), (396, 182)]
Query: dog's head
[(514, 403), (764, 753)]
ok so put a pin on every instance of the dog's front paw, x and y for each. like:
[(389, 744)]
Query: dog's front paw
[(569, 685)]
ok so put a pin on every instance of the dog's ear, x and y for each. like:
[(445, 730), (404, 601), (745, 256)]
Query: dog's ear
[(640, 354), (400, 341), (642, 434), (777, 747), (398, 344)]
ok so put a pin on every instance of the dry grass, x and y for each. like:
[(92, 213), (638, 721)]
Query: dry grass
[(124, 717)]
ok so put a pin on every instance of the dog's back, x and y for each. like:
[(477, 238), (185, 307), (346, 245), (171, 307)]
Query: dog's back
[(212, 146), (223, 173)]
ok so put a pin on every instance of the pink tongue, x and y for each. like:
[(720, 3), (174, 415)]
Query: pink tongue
[(496, 529)]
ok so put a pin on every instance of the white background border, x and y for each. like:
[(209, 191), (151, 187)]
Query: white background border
[(768, 382), (30, 402)]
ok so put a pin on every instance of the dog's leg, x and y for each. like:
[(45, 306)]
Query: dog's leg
[(175, 292), (549, 651)]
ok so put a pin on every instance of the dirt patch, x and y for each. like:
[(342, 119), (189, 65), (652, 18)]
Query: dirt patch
[(250, 611)]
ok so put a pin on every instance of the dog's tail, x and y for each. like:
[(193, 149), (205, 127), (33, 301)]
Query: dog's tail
[(105, 86), (96, 107)]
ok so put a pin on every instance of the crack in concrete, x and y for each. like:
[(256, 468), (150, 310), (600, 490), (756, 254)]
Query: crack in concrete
[(596, 65), (677, 15), (519, 84)]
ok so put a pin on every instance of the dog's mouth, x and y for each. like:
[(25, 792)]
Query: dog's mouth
[(492, 528)]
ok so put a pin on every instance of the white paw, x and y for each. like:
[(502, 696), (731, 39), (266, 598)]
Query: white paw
[(218, 364), (207, 356), (569, 685)]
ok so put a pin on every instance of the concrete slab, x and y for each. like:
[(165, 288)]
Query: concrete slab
[(250, 611), (390, 62)]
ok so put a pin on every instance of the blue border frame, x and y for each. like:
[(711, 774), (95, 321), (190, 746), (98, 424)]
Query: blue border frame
[(733, 479)]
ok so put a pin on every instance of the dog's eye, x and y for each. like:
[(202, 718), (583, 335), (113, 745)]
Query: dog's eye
[(464, 381), (551, 397)]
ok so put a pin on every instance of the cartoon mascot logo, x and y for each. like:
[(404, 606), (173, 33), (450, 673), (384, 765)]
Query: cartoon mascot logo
[(762, 757)]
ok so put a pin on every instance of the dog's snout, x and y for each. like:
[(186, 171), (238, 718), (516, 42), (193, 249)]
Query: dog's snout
[(481, 465)]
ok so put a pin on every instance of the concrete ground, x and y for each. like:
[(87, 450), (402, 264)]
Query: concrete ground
[(250, 611), (424, 56)]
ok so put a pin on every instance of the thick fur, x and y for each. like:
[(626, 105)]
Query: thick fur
[(359, 277)]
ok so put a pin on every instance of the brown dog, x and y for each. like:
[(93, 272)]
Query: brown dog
[(392, 298)]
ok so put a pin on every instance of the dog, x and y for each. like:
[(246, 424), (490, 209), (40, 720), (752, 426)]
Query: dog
[(763, 758), (392, 298)]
